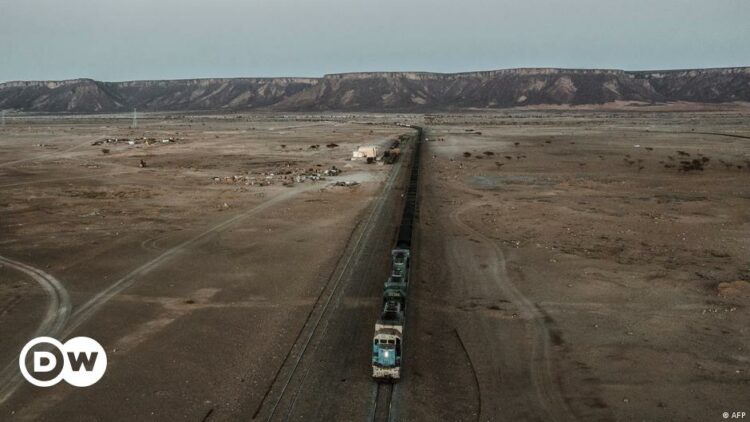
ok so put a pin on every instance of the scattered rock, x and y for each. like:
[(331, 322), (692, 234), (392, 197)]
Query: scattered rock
[(346, 184)]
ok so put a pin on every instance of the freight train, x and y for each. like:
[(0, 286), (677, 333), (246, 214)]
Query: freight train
[(387, 344)]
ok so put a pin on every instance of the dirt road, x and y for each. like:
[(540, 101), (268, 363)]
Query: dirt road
[(55, 319)]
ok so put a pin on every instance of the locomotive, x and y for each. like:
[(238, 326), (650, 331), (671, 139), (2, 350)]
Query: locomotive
[(386, 348)]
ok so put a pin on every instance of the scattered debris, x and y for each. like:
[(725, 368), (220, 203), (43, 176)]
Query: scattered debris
[(142, 164), (333, 171), (110, 141), (694, 164), (136, 141), (346, 184), (286, 177)]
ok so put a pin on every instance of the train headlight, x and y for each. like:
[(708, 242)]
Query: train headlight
[(385, 354)]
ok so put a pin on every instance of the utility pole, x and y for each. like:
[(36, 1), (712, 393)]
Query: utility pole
[(135, 119)]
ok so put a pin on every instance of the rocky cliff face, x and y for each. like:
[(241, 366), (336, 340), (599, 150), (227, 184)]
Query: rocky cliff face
[(383, 91), (86, 95), (209, 94), (76, 95)]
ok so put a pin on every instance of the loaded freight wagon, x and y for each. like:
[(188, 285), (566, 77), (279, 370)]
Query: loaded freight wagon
[(400, 263)]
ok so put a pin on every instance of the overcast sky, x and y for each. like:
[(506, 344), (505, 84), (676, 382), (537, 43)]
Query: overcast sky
[(160, 39)]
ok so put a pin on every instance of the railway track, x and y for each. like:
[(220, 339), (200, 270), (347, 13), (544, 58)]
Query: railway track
[(382, 407), (282, 388), (382, 410)]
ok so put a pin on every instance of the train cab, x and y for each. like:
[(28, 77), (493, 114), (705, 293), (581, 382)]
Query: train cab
[(386, 353)]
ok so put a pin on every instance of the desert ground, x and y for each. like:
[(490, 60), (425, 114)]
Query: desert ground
[(568, 265)]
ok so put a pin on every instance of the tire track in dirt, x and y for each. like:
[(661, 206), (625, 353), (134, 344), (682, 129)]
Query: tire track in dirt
[(93, 305), (64, 179), (90, 307), (540, 364), (58, 312), (152, 243), (54, 154)]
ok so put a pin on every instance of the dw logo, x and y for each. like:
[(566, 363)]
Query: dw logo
[(81, 361)]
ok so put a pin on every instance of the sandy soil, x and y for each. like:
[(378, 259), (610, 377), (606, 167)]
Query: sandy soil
[(568, 269), (195, 282)]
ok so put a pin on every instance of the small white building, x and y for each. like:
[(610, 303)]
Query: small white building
[(365, 152)]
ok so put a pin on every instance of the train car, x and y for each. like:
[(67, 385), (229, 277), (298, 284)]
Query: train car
[(391, 155), (396, 283), (387, 342), (395, 292), (400, 266)]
